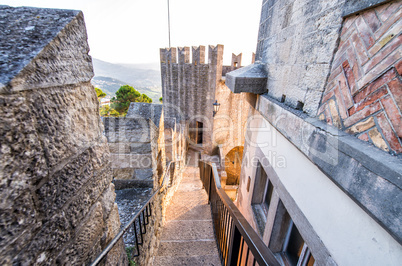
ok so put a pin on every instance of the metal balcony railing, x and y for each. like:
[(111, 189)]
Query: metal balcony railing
[(138, 224), (238, 243)]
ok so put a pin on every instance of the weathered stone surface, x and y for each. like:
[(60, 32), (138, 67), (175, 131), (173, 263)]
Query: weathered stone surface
[(135, 148), (67, 120), (107, 201), (48, 47), (138, 161), (68, 181), (123, 173), (296, 43), (146, 111), (142, 174), (212, 260), (39, 249), (352, 7), (128, 130), (54, 162), (86, 237), (132, 183), (140, 148), (115, 256), (252, 78)]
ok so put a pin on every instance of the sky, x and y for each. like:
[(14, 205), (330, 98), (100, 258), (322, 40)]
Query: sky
[(132, 31)]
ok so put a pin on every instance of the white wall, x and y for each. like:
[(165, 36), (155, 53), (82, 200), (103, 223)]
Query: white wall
[(350, 234)]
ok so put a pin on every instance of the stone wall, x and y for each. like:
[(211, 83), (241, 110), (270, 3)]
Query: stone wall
[(133, 142), (296, 41), (171, 137), (364, 91), (57, 200)]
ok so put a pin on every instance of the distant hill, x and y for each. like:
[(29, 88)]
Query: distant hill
[(111, 85), (143, 77)]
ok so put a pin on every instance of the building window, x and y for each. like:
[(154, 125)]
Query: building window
[(199, 132), (261, 198), (295, 251)]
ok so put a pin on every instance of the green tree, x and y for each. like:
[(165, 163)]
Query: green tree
[(125, 96), (99, 93), (106, 110), (161, 99)]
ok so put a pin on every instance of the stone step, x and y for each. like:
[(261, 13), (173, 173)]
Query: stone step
[(188, 230), (201, 212), (187, 235), (187, 248), (212, 260)]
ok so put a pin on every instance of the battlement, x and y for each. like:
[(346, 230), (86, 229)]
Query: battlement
[(181, 55)]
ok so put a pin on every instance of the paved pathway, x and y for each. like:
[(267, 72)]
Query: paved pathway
[(187, 237)]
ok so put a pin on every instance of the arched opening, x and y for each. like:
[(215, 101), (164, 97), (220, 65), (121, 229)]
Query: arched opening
[(233, 161)]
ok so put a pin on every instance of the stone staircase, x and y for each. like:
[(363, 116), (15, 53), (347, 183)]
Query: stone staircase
[(187, 236)]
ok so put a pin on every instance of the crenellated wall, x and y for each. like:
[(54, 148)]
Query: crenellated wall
[(188, 88)]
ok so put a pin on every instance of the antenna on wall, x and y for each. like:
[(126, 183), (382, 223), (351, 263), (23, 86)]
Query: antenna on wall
[(168, 21)]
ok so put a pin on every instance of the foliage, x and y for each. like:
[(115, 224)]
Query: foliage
[(129, 252), (99, 93), (106, 110), (126, 95), (161, 99)]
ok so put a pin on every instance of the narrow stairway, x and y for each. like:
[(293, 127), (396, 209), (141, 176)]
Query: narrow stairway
[(187, 236)]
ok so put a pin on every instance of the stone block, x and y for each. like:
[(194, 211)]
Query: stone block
[(119, 147), (107, 201), (40, 247), (42, 48), (85, 238), (66, 119), (19, 143), (139, 161), (124, 129), (132, 183), (90, 193), (67, 182), (142, 174), (123, 173), (18, 224), (149, 111), (352, 7), (252, 78), (140, 148)]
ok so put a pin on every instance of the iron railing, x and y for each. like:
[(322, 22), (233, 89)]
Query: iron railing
[(238, 243), (138, 224)]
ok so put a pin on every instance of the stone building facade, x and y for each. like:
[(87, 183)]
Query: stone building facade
[(57, 199), (314, 190)]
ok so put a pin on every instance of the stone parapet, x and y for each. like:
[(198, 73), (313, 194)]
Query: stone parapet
[(55, 172)]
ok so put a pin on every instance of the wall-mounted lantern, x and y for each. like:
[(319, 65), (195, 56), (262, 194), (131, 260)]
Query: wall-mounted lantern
[(216, 107)]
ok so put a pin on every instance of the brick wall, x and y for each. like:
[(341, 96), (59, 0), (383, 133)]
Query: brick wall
[(363, 95)]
